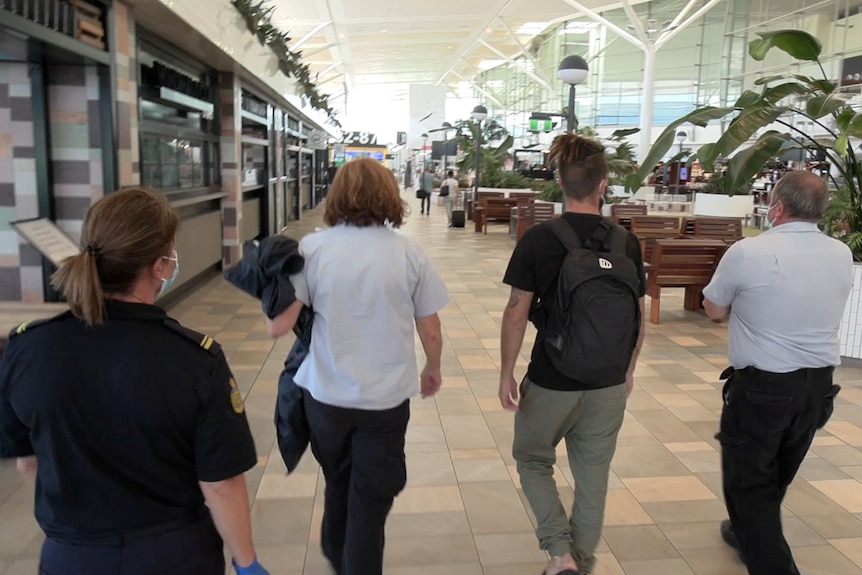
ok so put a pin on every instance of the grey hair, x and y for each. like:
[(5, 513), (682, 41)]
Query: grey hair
[(803, 194)]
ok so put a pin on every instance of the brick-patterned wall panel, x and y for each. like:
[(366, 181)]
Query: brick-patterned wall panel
[(20, 266), (75, 145), (124, 53), (230, 145)]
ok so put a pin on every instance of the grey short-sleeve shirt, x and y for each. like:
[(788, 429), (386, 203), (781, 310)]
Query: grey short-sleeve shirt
[(787, 290), (367, 286)]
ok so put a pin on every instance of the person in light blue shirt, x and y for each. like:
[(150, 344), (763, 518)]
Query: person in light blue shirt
[(426, 184), (369, 285), (785, 292)]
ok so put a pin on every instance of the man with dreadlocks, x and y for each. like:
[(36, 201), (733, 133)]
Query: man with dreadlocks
[(579, 278)]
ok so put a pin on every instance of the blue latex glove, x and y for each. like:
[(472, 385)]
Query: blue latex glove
[(254, 569)]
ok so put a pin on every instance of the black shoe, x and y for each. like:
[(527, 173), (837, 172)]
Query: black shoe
[(729, 537)]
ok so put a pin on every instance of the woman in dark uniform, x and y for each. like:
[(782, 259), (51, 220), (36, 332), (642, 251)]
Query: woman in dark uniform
[(136, 422)]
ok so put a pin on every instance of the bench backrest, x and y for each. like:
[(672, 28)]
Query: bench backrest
[(679, 263), (524, 195), (655, 226), (481, 195), (498, 207), (718, 228), (628, 209)]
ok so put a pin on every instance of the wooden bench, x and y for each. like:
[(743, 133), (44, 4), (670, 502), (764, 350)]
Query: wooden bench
[(530, 214), (494, 210), (622, 213), (524, 195), (686, 263), (474, 202), (725, 229), (650, 228)]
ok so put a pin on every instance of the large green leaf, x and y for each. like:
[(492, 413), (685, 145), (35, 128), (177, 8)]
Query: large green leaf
[(768, 79), (816, 84), (747, 163), (798, 43), (823, 105), (699, 117), (740, 130), (844, 118), (774, 94), (707, 151), (855, 126), (748, 98), (623, 133)]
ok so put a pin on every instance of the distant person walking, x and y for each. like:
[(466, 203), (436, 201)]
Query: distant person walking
[(426, 184)]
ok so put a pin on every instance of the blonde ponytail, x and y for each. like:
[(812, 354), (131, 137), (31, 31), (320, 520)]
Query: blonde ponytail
[(77, 279)]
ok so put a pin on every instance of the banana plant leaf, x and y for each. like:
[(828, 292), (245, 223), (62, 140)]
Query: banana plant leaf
[(774, 94), (700, 117), (748, 98), (747, 163), (799, 44), (855, 126), (825, 104), (740, 130), (623, 133), (768, 79), (815, 84)]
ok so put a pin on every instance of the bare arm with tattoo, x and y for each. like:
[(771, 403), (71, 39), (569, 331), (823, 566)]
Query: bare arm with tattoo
[(515, 318)]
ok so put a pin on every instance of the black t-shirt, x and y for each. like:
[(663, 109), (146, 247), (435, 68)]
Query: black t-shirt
[(124, 418), (535, 267)]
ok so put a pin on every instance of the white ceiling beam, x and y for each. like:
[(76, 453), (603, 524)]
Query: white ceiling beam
[(318, 50), (682, 14), (515, 38), (520, 65), (480, 89), (602, 20), (470, 41), (336, 12), (311, 34), (636, 22), (668, 35)]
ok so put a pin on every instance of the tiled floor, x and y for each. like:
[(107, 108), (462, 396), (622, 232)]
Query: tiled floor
[(462, 512)]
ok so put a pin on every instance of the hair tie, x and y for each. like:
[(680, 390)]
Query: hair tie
[(93, 249)]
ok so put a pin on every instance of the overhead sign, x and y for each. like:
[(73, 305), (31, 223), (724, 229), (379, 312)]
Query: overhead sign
[(360, 139)]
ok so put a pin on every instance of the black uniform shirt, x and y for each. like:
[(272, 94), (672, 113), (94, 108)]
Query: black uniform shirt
[(535, 267), (125, 418)]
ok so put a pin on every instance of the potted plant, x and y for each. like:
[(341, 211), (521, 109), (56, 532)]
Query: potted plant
[(769, 109)]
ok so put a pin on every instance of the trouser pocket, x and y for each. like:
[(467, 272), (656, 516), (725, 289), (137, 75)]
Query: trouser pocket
[(828, 405)]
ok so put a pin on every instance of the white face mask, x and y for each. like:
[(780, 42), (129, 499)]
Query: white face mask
[(167, 282), (769, 223)]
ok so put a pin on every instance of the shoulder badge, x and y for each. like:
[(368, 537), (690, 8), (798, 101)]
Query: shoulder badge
[(30, 325), (236, 397), (204, 341)]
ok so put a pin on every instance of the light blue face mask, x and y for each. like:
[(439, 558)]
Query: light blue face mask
[(768, 220), (168, 282)]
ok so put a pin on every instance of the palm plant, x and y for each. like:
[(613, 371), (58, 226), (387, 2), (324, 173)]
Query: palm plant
[(492, 157), (773, 105)]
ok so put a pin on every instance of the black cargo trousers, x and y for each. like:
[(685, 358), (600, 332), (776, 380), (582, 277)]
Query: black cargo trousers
[(767, 425)]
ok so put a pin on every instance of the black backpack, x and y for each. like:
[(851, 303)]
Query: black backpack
[(593, 327)]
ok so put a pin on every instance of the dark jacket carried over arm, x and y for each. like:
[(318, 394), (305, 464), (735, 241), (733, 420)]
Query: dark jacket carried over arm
[(263, 273)]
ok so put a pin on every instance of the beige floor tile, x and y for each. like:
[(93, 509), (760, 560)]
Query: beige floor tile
[(850, 547), (430, 469), (800, 534), (700, 535), (607, 564), (826, 440), (675, 400), (466, 432), (847, 432), (494, 507), (659, 489), (638, 543), (684, 511), (623, 509), (845, 492), (823, 560), (422, 524), (480, 453), (478, 470), (714, 561), (280, 486), (508, 548), (804, 499), (433, 550), (646, 461), (840, 455), (701, 461), (835, 526), (688, 447), (444, 569), (657, 567), (456, 402), (426, 499)]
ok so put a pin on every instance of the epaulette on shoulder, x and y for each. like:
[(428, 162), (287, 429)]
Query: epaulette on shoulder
[(204, 341), (28, 326)]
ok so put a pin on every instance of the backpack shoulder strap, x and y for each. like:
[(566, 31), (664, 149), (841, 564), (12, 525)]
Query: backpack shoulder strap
[(619, 238), (565, 233)]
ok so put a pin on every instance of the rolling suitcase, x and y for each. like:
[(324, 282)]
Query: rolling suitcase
[(458, 218)]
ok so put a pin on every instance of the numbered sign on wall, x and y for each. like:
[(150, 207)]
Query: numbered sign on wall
[(360, 139)]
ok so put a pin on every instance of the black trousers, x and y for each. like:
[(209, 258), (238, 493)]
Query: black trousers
[(425, 204), (362, 456), (195, 549), (767, 425)]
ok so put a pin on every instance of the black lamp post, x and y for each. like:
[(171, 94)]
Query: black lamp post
[(572, 71), (446, 127), (478, 114)]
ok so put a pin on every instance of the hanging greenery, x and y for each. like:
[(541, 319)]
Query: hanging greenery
[(259, 22)]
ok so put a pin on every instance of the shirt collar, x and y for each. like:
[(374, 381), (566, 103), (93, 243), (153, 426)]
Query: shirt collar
[(123, 310), (791, 227)]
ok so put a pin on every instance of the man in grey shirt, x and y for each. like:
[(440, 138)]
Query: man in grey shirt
[(785, 292)]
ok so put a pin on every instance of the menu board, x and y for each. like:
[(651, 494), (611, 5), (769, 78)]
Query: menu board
[(45, 236)]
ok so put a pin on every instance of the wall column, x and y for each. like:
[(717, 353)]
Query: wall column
[(230, 147), (124, 68)]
